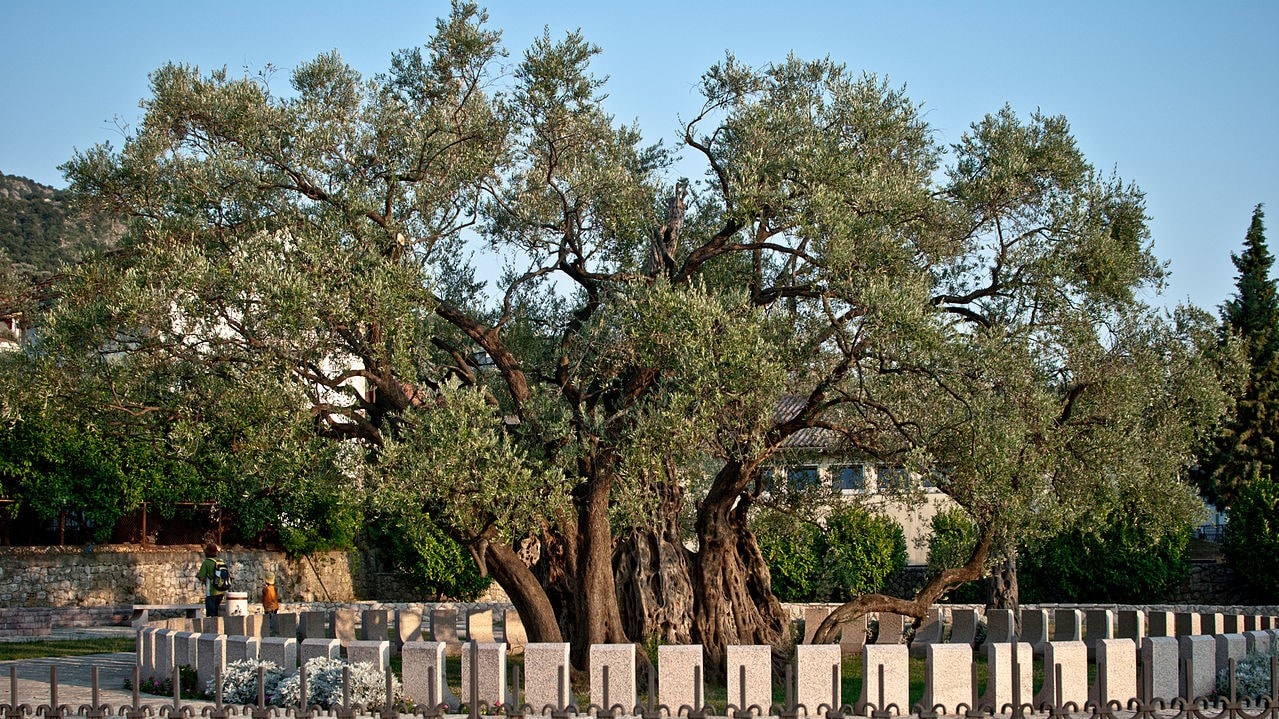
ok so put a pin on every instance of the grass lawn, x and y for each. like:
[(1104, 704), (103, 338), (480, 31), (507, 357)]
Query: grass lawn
[(65, 647)]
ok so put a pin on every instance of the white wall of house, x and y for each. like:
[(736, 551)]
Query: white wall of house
[(915, 519), (862, 482)]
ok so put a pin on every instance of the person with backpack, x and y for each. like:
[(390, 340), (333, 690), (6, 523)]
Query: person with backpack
[(217, 579)]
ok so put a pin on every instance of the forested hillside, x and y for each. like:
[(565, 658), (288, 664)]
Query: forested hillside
[(39, 230)]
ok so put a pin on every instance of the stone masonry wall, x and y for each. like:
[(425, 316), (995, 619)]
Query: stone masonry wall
[(107, 577), (132, 574), (1215, 582), (39, 621)]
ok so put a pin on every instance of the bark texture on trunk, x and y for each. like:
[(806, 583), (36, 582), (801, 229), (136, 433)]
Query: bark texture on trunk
[(599, 621), (1004, 593), (655, 589), (733, 598), (531, 602)]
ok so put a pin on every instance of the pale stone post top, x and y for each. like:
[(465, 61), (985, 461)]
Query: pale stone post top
[(681, 677), (750, 673), (817, 676), (546, 675), (619, 659), (948, 678)]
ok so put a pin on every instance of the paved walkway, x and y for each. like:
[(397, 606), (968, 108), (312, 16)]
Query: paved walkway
[(31, 679)]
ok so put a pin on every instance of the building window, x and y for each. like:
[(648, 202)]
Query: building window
[(893, 479), (802, 477), (852, 478)]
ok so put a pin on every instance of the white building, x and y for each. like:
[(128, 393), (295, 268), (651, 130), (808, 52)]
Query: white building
[(880, 488), (821, 457)]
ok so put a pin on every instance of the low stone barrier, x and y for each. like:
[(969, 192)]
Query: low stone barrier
[(1186, 671), (1148, 670)]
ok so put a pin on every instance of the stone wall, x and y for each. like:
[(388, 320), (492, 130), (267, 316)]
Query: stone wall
[(112, 575), (132, 574), (906, 582), (35, 622), (1214, 582)]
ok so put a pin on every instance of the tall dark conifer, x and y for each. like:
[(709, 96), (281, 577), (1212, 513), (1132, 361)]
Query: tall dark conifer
[(1245, 447)]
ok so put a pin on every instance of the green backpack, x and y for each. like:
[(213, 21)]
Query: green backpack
[(221, 575)]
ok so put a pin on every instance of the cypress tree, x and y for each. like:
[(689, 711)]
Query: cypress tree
[(1245, 446)]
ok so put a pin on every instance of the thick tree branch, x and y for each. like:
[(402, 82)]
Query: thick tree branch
[(827, 631), (491, 342)]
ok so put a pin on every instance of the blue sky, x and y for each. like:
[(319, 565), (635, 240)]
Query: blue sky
[(1180, 97)]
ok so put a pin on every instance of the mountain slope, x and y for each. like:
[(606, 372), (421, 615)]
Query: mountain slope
[(39, 230)]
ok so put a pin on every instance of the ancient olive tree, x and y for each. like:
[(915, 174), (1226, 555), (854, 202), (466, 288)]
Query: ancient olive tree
[(595, 424)]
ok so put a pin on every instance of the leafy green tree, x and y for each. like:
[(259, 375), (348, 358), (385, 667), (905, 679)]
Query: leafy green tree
[(1244, 446), (1252, 535), (970, 312), (428, 562), (56, 469), (1120, 560), (227, 443), (860, 550)]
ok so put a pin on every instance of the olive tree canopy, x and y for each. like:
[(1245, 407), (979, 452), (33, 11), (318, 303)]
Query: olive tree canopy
[(315, 256)]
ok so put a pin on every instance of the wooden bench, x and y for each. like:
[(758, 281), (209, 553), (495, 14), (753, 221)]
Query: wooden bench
[(141, 612)]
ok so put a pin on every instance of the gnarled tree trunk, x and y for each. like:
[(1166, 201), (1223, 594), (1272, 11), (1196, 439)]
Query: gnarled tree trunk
[(599, 621), (1004, 593), (655, 589), (733, 598), (918, 607), (531, 602)]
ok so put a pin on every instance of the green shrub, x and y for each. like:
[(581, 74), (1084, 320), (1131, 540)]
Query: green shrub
[(426, 560), (790, 549), (951, 545), (1252, 676), (857, 553), (240, 682), (324, 685), (53, 466), (1252, 535), (1123, 560), (187, 678)]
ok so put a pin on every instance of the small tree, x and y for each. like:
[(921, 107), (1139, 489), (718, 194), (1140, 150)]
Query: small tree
[(854, 551), (953, 539), (1252, 535), (789, 547), (859, 551), (56, 469), (427, 562)]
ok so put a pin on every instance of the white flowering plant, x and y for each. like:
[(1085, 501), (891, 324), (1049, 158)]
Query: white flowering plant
[(1252, 675), (240, 681), (324, 685)]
